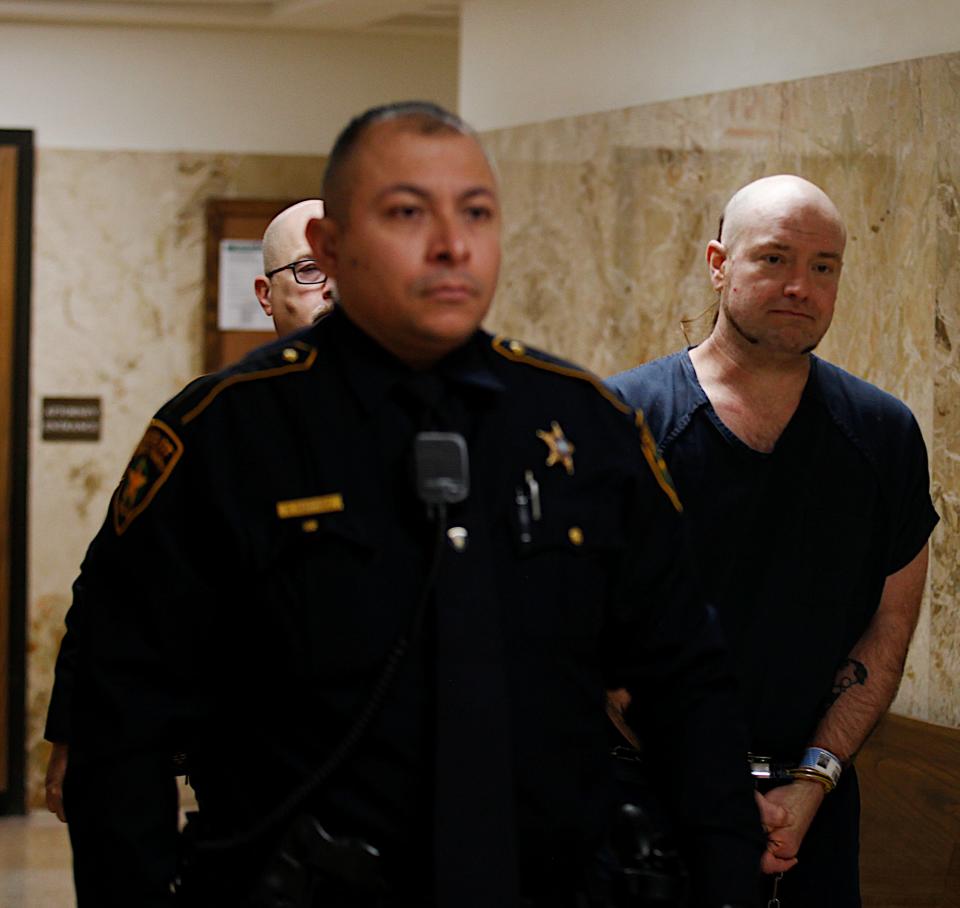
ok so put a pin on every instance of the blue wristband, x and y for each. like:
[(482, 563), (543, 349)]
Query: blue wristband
[(823, 762)]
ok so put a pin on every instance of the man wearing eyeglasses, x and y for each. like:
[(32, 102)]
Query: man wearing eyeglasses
[(293, 291)]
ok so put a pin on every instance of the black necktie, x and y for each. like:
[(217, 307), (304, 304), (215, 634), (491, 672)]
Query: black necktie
[(474, 810)]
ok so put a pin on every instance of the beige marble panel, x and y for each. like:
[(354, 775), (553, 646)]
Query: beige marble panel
[(117, 313), (608, 215), (943, 84)]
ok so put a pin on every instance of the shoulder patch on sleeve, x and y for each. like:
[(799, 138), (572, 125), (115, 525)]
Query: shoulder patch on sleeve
[(149, 468), (519, 353), (657, 464), (278, 359)]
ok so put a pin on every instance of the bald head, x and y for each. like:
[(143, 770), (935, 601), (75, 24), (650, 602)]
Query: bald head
[(290, 300), (284, 239), (772, 197)]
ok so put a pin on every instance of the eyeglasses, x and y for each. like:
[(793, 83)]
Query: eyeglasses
[(304, 272)]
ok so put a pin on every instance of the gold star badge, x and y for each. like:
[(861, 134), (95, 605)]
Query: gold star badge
[(561, 448)]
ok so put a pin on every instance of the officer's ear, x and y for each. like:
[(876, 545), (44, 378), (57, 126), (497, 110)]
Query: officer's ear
[(323, 235), (716, 262), (261, 286)]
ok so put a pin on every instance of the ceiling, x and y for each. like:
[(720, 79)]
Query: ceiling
[(422, 17)]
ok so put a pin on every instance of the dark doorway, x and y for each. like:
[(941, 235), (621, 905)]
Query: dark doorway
[(16, 233)]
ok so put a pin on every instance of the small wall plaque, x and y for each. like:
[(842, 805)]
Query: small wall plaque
[(71, 419)]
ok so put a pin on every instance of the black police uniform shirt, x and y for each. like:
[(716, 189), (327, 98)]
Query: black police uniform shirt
[(264, 550)]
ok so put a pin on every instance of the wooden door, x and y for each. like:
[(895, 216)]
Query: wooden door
[(232, 219), (16, 191)]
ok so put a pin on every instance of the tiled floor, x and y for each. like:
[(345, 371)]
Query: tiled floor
[(35, 863)]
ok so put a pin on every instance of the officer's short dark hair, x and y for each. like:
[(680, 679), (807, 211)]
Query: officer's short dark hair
[(423, 117)]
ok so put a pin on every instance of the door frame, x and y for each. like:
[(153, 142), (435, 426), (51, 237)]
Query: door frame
[(13, 800)]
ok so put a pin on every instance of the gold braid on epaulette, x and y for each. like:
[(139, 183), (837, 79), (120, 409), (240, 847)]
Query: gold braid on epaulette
[(658, 466), (514, 350), (517, 352), (237, 377)]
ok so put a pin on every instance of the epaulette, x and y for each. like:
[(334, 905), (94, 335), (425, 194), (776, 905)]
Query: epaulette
[(518, 352), (280, 358)]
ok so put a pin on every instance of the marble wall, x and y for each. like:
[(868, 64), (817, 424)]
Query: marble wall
[(608, 216), (607, 219), (117, 314)]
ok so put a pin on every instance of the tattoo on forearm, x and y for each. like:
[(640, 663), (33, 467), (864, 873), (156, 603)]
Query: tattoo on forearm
[(849, 674)]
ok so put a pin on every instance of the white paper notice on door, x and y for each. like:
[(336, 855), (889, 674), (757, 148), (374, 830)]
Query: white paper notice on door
[(237, 307)]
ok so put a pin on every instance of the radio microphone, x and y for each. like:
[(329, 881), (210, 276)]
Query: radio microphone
[(443, 469)]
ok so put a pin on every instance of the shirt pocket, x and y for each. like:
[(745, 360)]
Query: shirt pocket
[(564, 570), (322, 595)]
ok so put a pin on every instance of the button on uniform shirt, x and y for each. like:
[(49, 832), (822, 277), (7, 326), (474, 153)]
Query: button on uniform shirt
[(265, 549)]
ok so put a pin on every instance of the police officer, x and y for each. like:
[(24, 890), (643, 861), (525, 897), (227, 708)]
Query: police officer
[(248, 611)]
